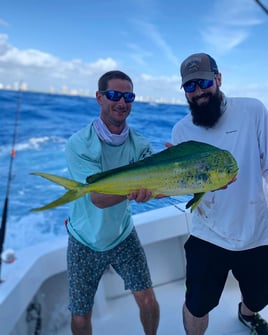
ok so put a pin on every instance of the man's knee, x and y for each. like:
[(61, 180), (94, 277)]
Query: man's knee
[(81, 322)]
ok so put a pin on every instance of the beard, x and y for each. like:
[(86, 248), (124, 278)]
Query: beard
[(207, 114)]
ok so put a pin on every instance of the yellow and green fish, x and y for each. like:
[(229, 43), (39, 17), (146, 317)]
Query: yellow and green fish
[(187, 168)]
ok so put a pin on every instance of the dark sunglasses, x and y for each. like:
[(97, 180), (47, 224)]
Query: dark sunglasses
[(190, 86), (117, 95)]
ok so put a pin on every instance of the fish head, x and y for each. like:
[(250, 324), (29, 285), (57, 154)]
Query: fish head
[(230, 165), (227, 167)]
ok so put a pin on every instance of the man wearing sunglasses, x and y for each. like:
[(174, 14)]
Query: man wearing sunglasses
[(101, 230), (229, 227)]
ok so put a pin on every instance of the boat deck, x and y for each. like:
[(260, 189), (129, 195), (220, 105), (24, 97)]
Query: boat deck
[(38, 277), (122, 318)]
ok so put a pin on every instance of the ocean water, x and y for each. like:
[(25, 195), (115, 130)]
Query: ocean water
[(44, 124)]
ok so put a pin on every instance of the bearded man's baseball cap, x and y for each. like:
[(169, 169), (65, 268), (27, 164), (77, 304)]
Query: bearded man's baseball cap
[(198, 66)]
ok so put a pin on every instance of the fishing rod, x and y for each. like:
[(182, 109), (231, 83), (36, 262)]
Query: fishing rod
[(262, 6), (12, 156)]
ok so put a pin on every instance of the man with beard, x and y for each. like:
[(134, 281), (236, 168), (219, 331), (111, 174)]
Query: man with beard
[(229, 227)]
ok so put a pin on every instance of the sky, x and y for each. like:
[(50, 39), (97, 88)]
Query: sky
[(59, 45)]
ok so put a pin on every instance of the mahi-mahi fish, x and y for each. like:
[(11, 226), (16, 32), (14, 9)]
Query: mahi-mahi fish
[(186, 168)]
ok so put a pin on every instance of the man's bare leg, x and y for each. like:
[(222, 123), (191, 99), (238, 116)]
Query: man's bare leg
[(192, 324), (149, 310)]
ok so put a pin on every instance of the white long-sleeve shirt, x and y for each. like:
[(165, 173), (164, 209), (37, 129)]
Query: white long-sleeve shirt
[(235, 218)]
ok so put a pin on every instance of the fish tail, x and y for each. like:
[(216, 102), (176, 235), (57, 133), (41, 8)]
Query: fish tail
[(69, 184), (75, 190), (67, 197)]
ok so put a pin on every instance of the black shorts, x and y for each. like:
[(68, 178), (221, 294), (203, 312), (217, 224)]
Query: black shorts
[(207, 269)]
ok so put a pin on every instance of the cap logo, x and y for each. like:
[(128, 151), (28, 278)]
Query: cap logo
[(193, 66)]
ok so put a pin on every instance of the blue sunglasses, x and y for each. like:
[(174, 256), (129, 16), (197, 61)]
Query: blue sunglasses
[(190, 86), (117, 95)]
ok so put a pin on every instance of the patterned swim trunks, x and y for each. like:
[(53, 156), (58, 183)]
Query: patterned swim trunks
[(86, 267)]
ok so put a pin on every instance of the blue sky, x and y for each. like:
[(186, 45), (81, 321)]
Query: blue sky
[(57, 44)]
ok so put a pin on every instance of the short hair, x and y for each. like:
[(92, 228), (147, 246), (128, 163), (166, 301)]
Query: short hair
[(115, 74)]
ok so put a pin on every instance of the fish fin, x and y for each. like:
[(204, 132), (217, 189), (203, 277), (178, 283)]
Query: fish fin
[(69, 184), (98, 176), (183, 149), (67, 197), (194, 202), (179, 151)]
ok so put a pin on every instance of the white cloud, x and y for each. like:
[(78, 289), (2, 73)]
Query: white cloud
[(229, 24), (3, 23), (28, 57), (138, 54), (153, 32), (41, 70), (155, 36), (224, 38), (160, 87)]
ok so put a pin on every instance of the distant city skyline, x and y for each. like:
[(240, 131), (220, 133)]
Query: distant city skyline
[(73, 92)]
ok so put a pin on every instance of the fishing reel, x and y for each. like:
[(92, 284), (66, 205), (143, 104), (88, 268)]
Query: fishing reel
[(8, 256)]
